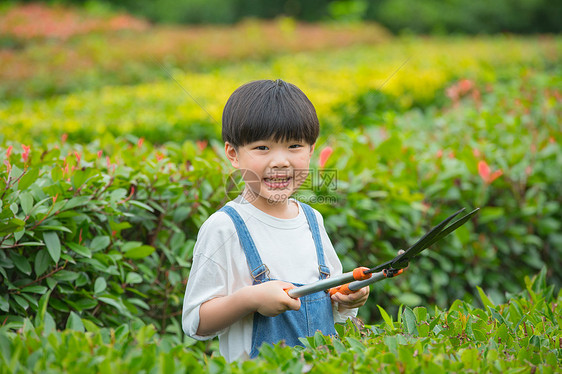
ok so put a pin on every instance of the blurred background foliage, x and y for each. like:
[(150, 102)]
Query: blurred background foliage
[(417, 16)]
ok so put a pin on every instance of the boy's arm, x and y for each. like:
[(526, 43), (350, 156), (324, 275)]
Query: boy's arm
[(269, 299)]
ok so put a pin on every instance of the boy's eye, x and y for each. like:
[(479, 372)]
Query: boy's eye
[(261, 147), (295, 146)]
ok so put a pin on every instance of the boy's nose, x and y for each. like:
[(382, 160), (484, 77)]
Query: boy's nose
[(279, 159)]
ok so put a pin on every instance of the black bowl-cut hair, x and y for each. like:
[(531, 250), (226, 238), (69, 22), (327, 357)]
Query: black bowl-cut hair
[(267, 109)]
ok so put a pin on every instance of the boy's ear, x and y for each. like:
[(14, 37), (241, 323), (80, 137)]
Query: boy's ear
[(312, 148), (231, 154)]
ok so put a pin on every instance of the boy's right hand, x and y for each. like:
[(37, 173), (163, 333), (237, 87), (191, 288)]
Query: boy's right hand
[(272, 299)]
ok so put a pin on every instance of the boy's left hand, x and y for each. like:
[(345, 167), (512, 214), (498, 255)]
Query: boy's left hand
[(353, 300)]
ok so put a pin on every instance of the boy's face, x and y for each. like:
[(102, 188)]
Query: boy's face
[(272, 171)]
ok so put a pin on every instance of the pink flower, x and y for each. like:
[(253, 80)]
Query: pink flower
[(439, 153), (325, 155), (465, 85), (9, 151), (63, 138), (25, 154), (202, 144), (159, 156), (476, 152), (486, 174), (139, 142), (100, 153), (78, 157)]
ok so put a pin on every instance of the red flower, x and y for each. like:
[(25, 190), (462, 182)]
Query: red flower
[(63, 138), (78, 157), (201, 144), (9, 151), (439, 153), (100, 153), (139, 142), (325, 155), (159, 156), (486, 174), (25, 154)]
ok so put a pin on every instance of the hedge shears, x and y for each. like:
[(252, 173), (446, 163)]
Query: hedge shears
[(360, 277)]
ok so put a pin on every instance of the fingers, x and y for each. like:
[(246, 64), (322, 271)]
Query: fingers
[(354, 300)]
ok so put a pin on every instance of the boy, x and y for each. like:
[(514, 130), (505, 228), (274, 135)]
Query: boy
[(264, 242)]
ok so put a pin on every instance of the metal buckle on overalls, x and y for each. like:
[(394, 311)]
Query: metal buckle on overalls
[(264, 271), (325, 273)]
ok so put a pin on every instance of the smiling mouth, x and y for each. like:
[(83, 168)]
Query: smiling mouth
[(277, 183)]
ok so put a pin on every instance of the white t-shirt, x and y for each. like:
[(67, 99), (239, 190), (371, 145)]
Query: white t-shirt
[(219, 266)]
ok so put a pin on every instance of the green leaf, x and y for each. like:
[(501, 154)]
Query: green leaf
[(13, 225), (35, 289), (141, 205), (52, 242), (4, 304), (65, 276), (99, 243), (410, 321), (421, 314), (26, 201), (90, 326), (76, 202), (100, 285), (42, 262), (21, 301), (386, 317), (53, 228), (484, 298), (133, 278), (139, 252), (42, 308), (74, 322), (56, 173), (79, 177), (27, 180), (21, 263), (80, 249)]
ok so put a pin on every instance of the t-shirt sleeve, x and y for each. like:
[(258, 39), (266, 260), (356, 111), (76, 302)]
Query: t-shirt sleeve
[(208, 277), (333, 262)]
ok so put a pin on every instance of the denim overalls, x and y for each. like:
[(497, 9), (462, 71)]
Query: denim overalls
[(315, 312)]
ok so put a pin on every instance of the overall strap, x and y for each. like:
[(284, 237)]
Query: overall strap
[(313, 223), (259, 271)]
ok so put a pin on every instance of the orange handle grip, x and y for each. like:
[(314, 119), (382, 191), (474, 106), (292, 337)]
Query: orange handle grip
[(359, 274), (343, 289)]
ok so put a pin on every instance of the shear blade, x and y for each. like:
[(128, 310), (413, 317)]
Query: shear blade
[(435, 234)]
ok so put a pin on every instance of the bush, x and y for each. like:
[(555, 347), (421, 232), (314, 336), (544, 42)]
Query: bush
[(494, 147), (523, 335), (102, 236)]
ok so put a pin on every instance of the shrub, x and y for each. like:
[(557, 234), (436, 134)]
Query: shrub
[(83, 228), (522, 335)]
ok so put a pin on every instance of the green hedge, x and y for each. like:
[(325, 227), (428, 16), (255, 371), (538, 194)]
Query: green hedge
[(523, 335)]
